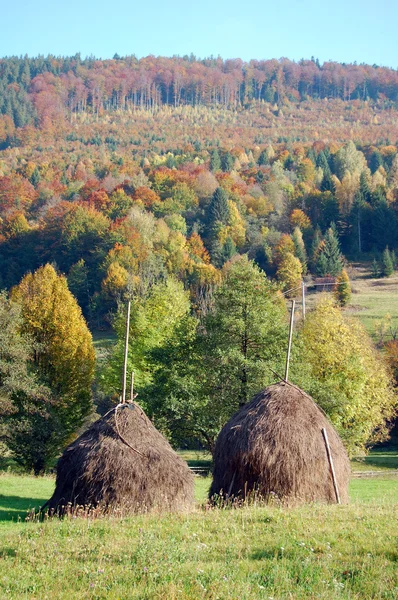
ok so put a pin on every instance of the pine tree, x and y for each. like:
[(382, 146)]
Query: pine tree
[(364, 187), (229, 249), (227, 162), (375, 269), (387, 267), (299, 248), (332, 253), (322, 162), (263, 158), (315, 248), (342, 289), (218, 210), (376, 161), (215, 161)]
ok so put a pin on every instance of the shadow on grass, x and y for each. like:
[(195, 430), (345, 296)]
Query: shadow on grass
[(16, 508), (385, 460)]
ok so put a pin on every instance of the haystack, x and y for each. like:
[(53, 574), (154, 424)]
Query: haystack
[(274, 446), (122, 463)]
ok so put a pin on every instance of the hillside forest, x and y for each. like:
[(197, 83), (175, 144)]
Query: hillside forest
[(205, 191)]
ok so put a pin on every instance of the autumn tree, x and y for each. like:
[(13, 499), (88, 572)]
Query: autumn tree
[(289, 274), (342, 289), (337, 364), (63, 362)]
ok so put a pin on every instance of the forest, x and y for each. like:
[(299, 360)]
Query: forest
[(205, 191)]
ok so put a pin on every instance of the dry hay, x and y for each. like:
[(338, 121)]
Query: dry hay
[(122, 464), (274, 446)]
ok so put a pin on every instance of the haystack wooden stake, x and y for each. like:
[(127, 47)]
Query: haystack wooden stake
[(126, 351), (132, 387), (303, 294), (289, 346), (330, 459)]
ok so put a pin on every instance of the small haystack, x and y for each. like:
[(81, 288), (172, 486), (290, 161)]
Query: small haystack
[(274, 446), (122, 463)]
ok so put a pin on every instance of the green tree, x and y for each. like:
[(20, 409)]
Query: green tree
[(242, 338), (342, 289), (329, 261), (334, 360), (215, 161), (153, 321), (63, 362), (299, 248), (218, 210), (202, 374), (387, 266), (227, 162)]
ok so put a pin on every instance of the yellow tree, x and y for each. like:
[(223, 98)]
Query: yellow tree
[(341, 369), (289, 274), (63, 358)]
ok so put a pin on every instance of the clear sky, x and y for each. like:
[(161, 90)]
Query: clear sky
[(342, 30)]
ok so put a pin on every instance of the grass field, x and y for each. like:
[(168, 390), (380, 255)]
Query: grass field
[(259, 552)]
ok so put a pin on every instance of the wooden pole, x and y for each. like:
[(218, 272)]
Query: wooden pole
[(289, 346), (132, 387), (330, 459), (126, 351), (303, 294)]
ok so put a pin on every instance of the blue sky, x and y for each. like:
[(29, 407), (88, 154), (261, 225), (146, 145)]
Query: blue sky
[(345, 31)]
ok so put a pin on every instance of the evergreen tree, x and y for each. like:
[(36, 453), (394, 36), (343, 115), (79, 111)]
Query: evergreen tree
[(376, 161), (375, 269), (218, 210), (315, 248), (229, 250), (215, 161), (332, 253), (263, 158), (35, 177), (387, 267), (322, 163), (299, 249), (364, 187), (227, 162)]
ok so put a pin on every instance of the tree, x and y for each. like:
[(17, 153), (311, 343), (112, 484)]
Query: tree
[(299, 248), (342, 289), (63, 362), (153, 321), (329, 260), (215, 161), (387, 267), (336, 363), (218, 210), (242, 338), (289, 274), (203, 372), (227, 162)]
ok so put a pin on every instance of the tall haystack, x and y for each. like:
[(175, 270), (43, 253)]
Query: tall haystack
[(275, 446), (122, 463)]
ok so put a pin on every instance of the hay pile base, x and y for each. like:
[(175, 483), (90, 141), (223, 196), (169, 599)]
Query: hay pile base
[(102, 470), (274, 446)]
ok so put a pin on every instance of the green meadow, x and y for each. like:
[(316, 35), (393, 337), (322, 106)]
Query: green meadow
[(267, 552)]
